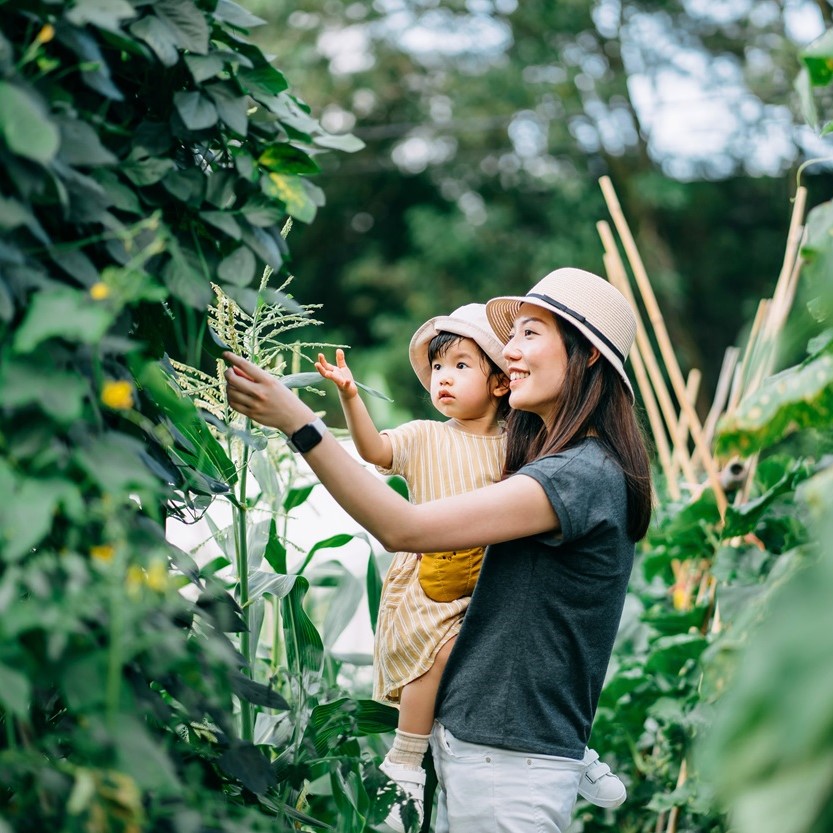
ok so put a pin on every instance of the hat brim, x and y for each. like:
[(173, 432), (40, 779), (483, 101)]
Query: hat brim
[(418, 349), (503, 311)]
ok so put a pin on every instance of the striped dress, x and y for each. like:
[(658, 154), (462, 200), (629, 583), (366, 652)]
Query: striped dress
[(437, 460)]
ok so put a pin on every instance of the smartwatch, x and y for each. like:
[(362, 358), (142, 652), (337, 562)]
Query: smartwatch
[(306, 438)]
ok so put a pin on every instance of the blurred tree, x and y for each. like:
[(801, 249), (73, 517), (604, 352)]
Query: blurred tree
[(487, 125)]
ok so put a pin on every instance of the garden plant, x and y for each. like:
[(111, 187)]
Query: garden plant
[(152, 158)]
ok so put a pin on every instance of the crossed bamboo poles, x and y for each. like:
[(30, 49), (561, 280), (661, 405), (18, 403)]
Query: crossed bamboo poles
[(677, 427)]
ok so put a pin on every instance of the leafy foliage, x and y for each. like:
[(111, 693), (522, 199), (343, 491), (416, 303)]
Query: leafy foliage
[(148, 150), (717, 708)]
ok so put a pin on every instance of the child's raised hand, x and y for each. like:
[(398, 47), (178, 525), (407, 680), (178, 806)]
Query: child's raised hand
[(338, 373)]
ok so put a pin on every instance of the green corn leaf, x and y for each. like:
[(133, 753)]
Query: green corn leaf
[(304, 648), (373, 392), (329, 543), (373, 583)]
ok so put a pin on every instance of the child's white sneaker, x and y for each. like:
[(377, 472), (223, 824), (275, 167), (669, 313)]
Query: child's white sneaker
[(599, 785), (412, 783)]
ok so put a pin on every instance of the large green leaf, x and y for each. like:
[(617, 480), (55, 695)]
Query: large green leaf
[(238, 268), (29, 509), (25, 125), (208, 455), (232, 107), (80, 144), (62, 313), (345, 596), (106, 14), (800, 397), (304, 648), (291, 192), (333, 541), (187, 22), (373, 583), (159, 37), (283, 158), (817, 252), (351, 718), (55, 390), (262, 583), (196, 111), (15, 691)]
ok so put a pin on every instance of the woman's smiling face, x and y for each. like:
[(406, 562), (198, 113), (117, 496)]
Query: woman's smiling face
[(537, 361)]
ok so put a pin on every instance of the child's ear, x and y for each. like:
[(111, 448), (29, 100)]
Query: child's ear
[(500, 385)]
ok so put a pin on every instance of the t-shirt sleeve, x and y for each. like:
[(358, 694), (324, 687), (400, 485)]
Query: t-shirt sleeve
[(403, 441), (577, 483)]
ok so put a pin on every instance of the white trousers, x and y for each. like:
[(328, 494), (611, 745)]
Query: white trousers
[(484, 789)]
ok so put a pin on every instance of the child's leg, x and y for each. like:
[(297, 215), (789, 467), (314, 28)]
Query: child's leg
[(419, 697), (403, 763)]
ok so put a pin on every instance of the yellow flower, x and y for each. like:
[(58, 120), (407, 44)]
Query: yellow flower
[(157, 576), (117, 395), (46, 34), (135, 579), (103, 552), (680, 598), (99, 291)]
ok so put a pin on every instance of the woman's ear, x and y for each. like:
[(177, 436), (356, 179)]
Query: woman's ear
[(594, 355)]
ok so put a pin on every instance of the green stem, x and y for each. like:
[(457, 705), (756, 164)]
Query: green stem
[(246, 710), (277, 642), (114, 661)]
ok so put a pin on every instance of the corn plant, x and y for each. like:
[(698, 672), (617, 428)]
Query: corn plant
[(312, 727)]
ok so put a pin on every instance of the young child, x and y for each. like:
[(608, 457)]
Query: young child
[(459, 360)]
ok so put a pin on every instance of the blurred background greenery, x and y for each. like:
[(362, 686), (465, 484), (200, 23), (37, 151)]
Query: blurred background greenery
[(487, 124)]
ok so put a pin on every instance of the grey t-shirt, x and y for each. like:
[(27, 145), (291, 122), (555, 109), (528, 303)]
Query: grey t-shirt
[(529, 663)]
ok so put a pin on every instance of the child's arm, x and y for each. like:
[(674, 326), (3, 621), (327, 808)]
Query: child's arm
[(372, 446)]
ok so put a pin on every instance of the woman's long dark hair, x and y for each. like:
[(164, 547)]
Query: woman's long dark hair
[(595, 401)]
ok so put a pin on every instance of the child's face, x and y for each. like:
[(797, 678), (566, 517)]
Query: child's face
[(461, 386)]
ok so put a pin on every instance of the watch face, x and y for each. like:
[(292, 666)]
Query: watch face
[(306, 438)]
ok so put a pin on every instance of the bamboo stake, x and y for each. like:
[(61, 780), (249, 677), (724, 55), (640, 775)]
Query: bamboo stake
[(651, 409), (740, 386), (721, 392), (674, 815), (618, 277), (663, 339), (779, 307), (681, 440)]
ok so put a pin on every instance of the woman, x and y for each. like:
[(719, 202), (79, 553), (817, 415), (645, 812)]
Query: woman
[(522, 683)]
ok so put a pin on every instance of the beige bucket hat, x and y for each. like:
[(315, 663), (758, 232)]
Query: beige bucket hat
[(588, 302), (469, 321)]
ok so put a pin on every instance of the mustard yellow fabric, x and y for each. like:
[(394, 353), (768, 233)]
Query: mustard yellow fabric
[(446, 576), (437, 460)]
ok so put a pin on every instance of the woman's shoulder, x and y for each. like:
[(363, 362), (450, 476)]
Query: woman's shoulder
[(589, 456)]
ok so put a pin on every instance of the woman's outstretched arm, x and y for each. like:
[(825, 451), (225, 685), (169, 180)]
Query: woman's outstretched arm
[(514, 508)]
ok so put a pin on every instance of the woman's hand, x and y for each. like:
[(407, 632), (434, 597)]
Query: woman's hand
[(338, 373), (262, 397)]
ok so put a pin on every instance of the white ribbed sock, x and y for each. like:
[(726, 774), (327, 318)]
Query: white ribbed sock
[(408, 749)]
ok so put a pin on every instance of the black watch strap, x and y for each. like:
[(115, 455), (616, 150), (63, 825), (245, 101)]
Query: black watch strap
[(306, 438)]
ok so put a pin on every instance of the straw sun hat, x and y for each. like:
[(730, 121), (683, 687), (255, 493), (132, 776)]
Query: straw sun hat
[(594, 307), (468, 321)]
